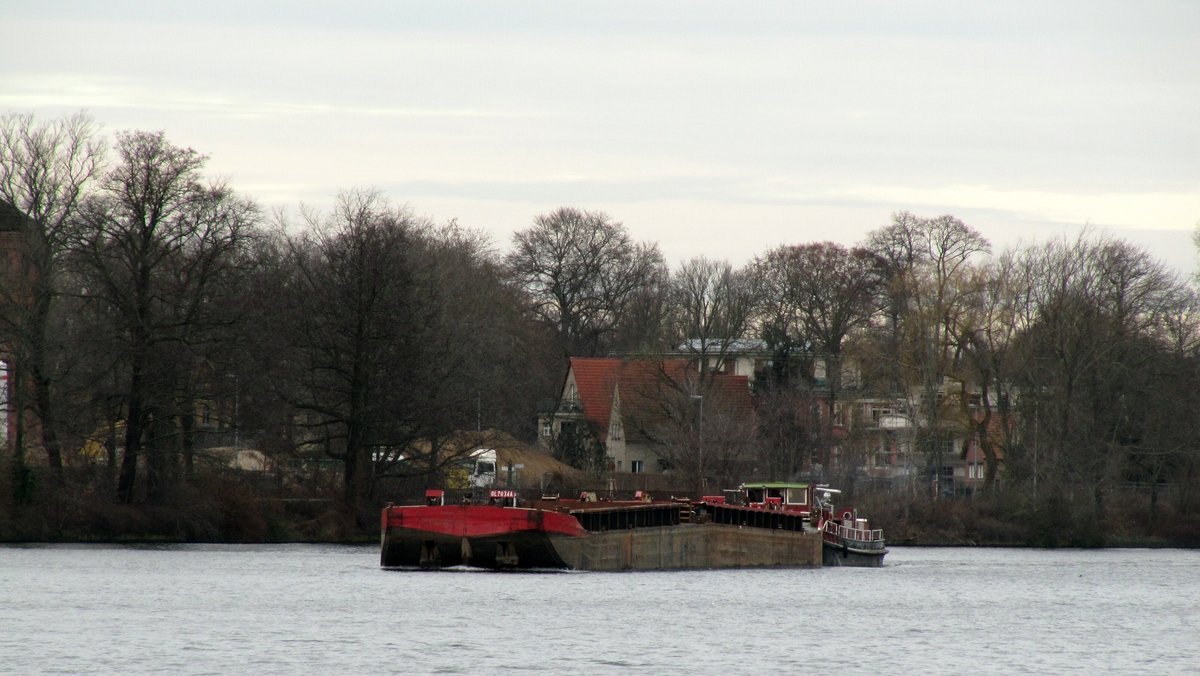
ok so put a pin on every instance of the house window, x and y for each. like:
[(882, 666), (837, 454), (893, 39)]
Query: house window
[(547, 429), (637, 466), (880, 412)]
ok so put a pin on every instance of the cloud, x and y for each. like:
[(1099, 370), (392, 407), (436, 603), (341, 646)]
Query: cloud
[(1129, 210), (96, 93)]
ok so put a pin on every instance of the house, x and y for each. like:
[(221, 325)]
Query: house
[(644, 412), (749, 357), (970, 464), (879, 435), (882, 429)]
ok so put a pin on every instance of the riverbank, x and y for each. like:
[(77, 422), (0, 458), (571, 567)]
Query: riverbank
[(210, 510), (232, 507), (218, 510), (1008, 520)]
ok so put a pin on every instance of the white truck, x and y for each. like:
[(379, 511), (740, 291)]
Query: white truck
[(482, 468)]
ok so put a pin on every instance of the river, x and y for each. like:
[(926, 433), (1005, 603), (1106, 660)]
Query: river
[(317, 609)]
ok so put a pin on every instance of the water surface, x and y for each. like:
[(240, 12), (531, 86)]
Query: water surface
[(329, 609)]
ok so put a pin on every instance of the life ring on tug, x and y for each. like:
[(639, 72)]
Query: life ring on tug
[(846, 514)]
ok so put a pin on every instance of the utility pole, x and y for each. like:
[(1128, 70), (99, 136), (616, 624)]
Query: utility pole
[(700, 454)]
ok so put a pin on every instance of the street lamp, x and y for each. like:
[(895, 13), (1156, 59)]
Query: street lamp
[(700, 462)]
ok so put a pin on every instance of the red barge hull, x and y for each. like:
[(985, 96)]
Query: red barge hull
[(484, 536)]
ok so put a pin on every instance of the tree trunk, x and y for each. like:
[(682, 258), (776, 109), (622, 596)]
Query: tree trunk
[(155, 470), (22, 475), (133, 439), (41, 387), (187, 424)]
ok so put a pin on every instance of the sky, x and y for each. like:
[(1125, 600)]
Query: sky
[(712, 128)]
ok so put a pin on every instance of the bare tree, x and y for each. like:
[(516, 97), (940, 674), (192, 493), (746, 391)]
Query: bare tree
[(582, 270), (788, 418), (400, 336), (644, 327), (924, 262), (150, 245), (45, 169), (711, 308), (1167, 451), (1093, 358), (345, 303), (818, 295), (984, 334), (711, 305)]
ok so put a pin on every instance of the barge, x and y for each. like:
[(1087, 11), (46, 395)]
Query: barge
[(763, 525)]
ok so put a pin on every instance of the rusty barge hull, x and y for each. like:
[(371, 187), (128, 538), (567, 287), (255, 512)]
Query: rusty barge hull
[(692, 546)]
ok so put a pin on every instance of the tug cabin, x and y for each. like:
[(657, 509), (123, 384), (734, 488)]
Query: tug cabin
[(778, 495)]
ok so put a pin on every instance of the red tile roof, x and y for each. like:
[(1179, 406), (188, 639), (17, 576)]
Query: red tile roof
[(644, 383), (595, 379)]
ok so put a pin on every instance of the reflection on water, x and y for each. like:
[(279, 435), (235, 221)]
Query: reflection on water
[(329, 609)]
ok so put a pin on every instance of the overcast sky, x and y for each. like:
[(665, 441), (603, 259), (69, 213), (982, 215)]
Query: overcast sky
[(714, 128)]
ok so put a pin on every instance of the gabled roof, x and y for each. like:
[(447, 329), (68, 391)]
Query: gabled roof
[(594, 379), (734, 393), (641, 384)]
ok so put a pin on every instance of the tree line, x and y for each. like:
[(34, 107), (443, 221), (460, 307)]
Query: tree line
[(152, 294)]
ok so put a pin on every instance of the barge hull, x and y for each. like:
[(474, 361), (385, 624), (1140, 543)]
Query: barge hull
[(425, 549), (691, 546), (686, 546), (846, 555), (485, 536)]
